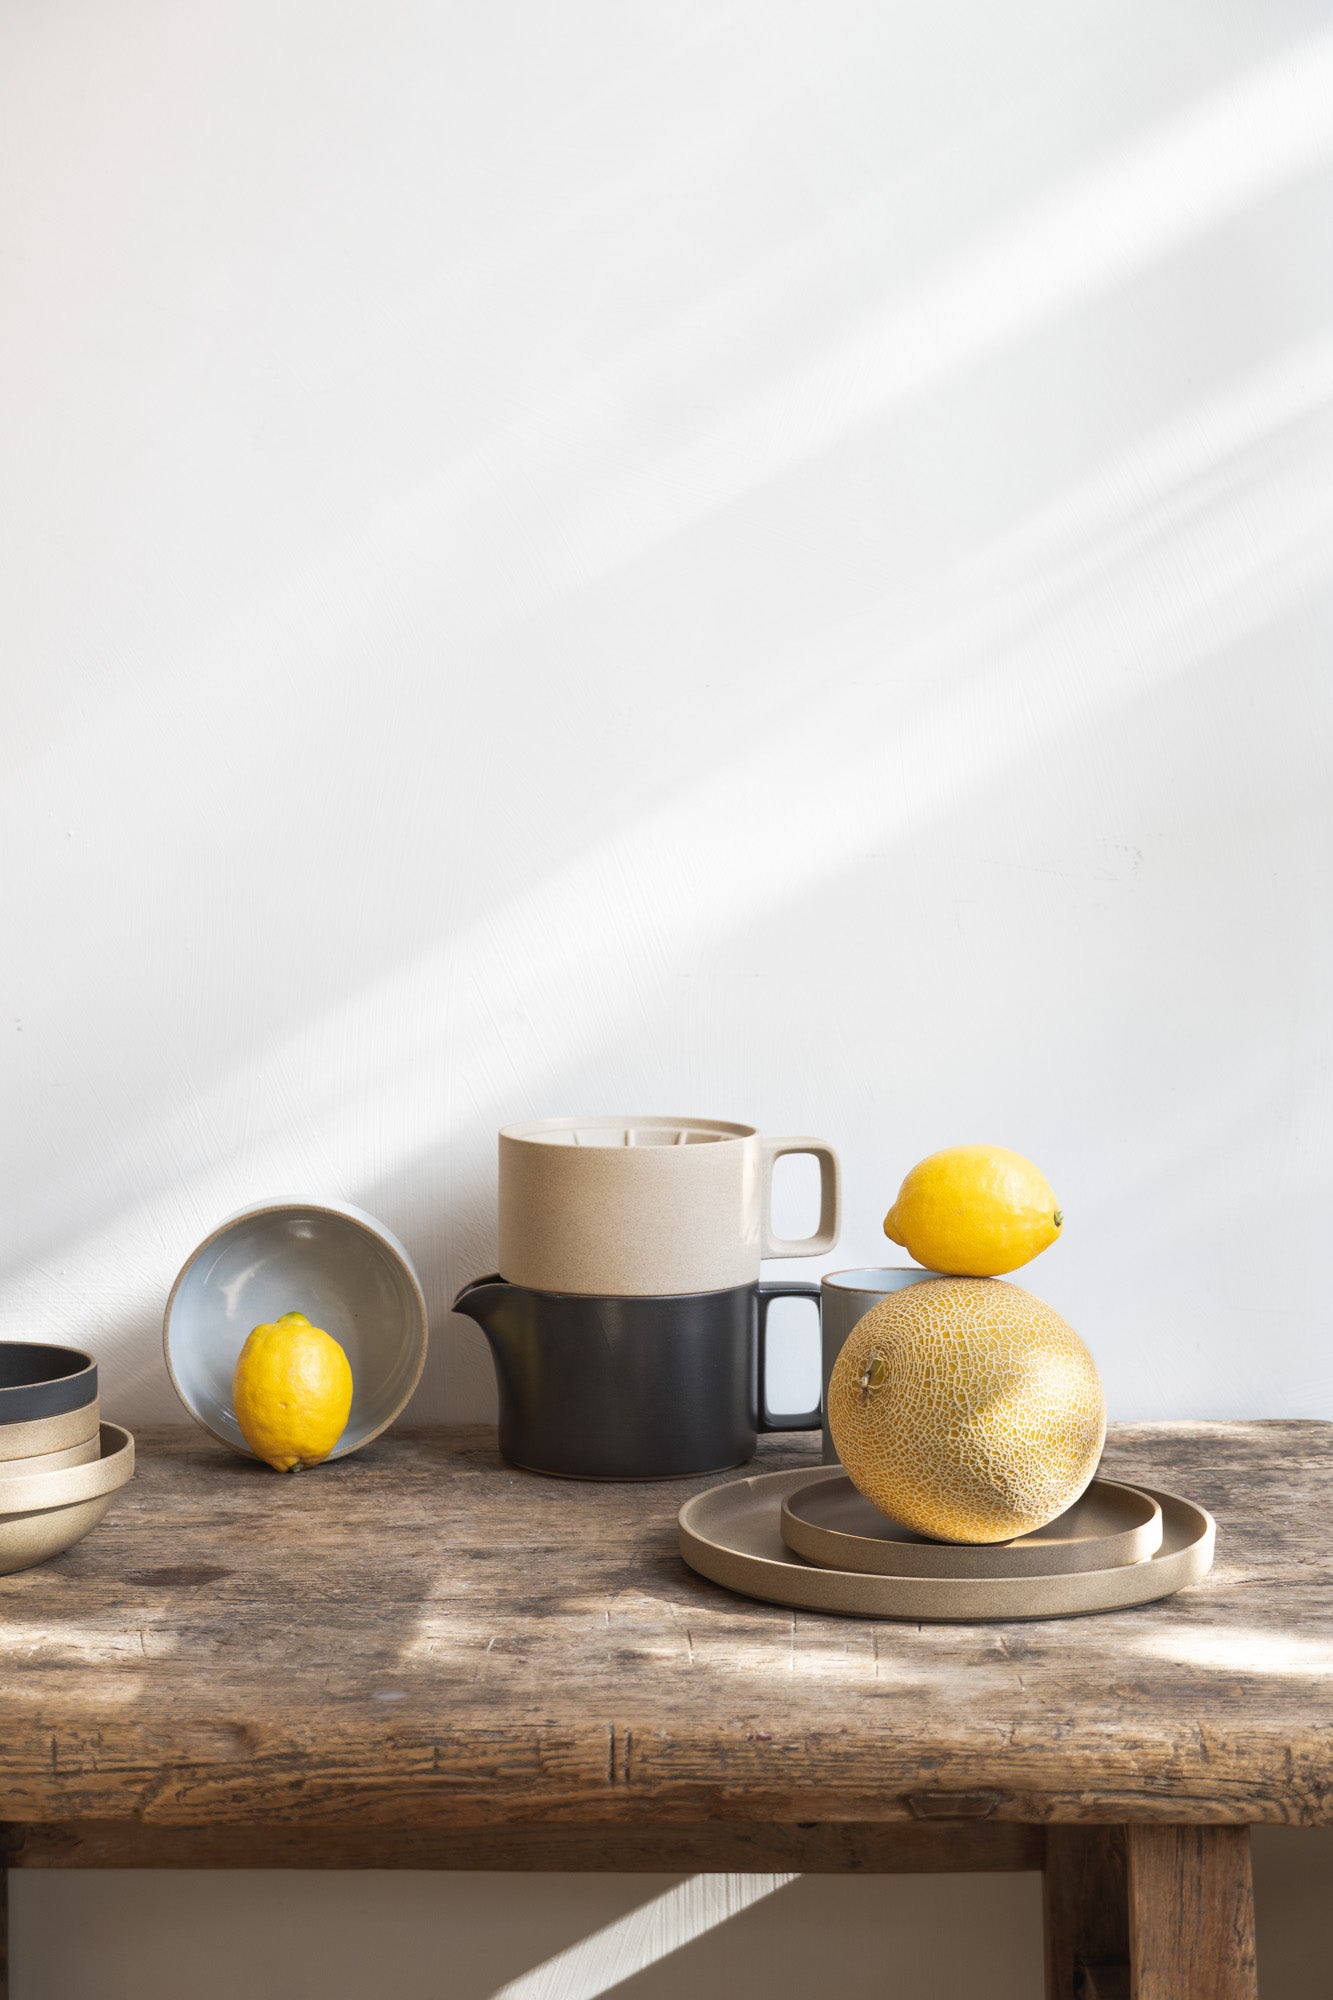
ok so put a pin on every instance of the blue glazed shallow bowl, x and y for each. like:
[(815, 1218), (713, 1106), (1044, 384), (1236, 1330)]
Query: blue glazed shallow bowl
[(339, 1266)]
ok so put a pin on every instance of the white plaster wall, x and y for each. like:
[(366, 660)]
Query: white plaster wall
[(767, 561)]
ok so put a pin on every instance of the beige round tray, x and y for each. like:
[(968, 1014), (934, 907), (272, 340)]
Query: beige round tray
[(828, 1522), (732, 1535), (38, 1491)]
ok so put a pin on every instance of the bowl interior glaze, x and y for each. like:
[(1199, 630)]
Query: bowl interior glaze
[(348, 1275)]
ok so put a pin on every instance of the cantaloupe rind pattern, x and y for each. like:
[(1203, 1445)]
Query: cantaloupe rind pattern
[(967, 1409)]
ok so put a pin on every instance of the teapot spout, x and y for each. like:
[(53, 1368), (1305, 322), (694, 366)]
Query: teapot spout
[(482, 1300)]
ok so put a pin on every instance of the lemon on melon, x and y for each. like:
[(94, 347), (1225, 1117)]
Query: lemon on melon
[(967, 1409), (974, 1211)]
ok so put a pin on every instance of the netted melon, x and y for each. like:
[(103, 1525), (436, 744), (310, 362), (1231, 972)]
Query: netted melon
[(967, 1409)]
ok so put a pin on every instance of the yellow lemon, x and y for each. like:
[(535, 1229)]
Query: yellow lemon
[(292, 1392), (967, 1410), (974, 1211)]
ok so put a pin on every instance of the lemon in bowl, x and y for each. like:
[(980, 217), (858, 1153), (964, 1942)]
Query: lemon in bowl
[(292, 1392), (341, 1267)]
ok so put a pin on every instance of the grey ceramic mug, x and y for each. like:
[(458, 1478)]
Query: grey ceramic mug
[(844, 1298)]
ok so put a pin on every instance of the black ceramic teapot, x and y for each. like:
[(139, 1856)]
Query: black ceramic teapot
[(631, 1388)]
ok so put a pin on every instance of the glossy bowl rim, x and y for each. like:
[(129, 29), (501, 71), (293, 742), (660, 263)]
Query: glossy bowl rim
[(369, 1225)]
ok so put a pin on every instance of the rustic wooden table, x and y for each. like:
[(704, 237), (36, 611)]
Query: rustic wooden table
[(420, 1658)]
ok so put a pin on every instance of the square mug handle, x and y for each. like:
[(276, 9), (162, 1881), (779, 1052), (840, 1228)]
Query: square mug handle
[(784, 1420), (830, 1200)]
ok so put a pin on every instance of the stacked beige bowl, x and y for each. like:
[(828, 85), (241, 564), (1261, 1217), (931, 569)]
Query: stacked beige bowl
[(60, 1465)]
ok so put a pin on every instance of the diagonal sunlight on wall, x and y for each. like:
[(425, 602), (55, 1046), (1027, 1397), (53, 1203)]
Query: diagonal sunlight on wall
[(1102, 225), (642, 1938), (1094, 232), (1189, 540)]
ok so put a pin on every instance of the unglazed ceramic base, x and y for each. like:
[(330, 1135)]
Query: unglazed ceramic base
[(52, 1461), (46, 1514), (45, 1434), (26, 1493), (732, 1535), (828, 1522), (29, 1539)]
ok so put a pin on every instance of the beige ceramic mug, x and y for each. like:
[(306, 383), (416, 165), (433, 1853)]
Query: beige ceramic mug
[(645, 1207)]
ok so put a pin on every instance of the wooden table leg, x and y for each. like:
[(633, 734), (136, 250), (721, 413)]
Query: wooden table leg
[(1191, 1913), (1087, 1919)]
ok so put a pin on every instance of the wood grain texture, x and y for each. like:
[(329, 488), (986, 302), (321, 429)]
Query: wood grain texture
[(716, 1846), (1084, 1906), (1191, 1913), (421, 1637)]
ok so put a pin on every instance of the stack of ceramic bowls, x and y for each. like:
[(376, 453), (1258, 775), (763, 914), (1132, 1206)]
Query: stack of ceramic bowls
[(627, 1322), (60, 1466)]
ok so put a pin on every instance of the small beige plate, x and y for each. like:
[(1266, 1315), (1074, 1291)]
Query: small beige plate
[(828, 1522), (732, 1534)]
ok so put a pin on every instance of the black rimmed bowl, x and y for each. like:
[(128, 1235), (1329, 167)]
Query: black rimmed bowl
[(38, 1381)]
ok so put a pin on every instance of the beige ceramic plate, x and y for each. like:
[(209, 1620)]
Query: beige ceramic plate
[(732, 1535), (828, 1522), (45, 1434), (39, 1491)]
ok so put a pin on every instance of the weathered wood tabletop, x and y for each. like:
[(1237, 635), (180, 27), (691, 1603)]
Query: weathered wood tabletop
[(420, 1656)]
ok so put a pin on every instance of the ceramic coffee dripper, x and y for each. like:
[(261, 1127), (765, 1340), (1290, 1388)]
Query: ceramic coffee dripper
[(646, 1388), (844, 1298), (647, 1207)]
